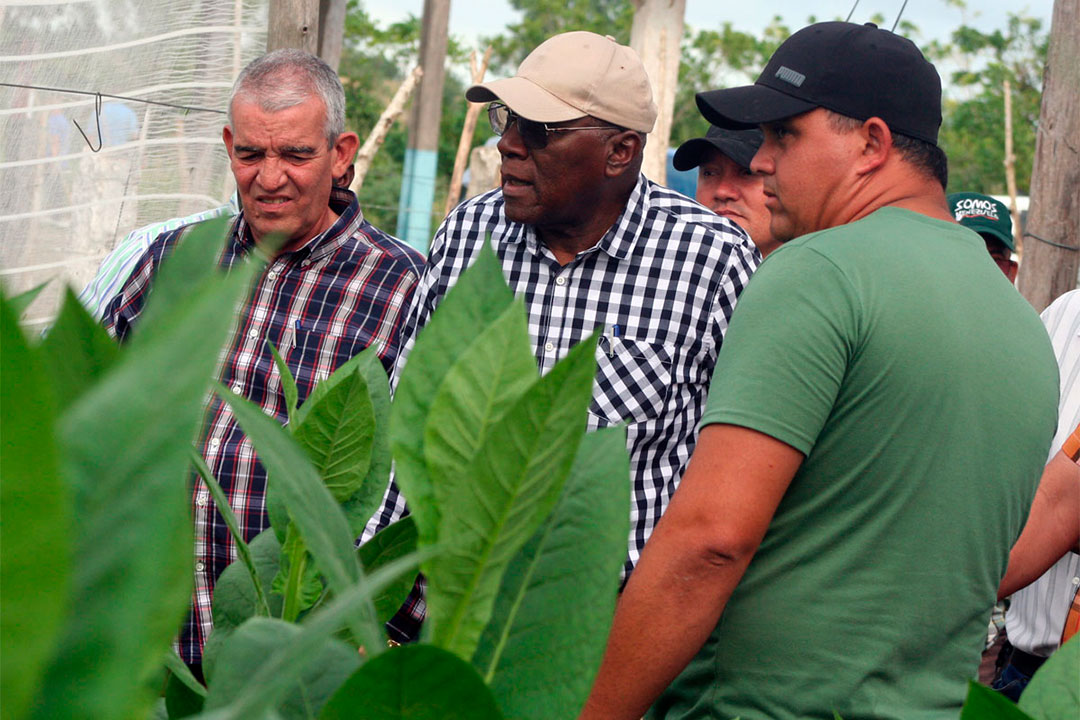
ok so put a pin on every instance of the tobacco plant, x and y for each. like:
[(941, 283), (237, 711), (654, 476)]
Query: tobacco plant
[(519, 520)]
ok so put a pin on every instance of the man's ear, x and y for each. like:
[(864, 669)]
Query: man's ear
[(877, 142), (344, 151), (227, 138), (623, 148)]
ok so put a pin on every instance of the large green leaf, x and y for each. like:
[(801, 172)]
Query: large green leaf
[(35, 536), (267, 684), (125, 445), (193, 260), (251, 646), (479, 298), (77, 351), (22, 302), (1054, 691), (498, 502), (337, 433), (363, 504), (577, 553), (414, 682), (235, 598), (982, 703), (485, 382), (391, 543), (311, 506)]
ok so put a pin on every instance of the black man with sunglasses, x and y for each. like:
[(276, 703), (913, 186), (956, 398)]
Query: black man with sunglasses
[(589, 242)]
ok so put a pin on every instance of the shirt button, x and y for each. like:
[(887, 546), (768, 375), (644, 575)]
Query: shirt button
[(201, 501), (271, 275), (214, 442), (549, 347), (560, 280), (1076, 581), (200, 566), (253, 334), (305, 263), (236, 389)]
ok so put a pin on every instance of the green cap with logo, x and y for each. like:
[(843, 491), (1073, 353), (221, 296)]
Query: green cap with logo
[(984, 215)]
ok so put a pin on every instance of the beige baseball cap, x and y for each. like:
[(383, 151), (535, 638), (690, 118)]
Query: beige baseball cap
[(573, 75)]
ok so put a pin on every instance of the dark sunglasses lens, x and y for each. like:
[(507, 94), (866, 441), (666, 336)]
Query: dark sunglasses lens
[(499, 117), (533, 134)]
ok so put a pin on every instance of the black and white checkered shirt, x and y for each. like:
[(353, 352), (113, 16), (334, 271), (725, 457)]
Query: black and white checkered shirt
[(662, 284)]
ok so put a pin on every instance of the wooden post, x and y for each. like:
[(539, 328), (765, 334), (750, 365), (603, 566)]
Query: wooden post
[(471, 115), (485, 169), (1010, 170), (422, 151), (293, 24), (331, 31), (656, 36), (382, 126), (1052, 253)]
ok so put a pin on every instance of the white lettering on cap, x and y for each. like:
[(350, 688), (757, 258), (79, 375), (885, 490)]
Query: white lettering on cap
[(973, 207), (790, 76)]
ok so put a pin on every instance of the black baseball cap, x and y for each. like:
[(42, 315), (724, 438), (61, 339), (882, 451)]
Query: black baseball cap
[(739, 145), (856, 70)]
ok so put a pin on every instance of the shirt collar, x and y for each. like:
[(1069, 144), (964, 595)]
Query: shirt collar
[(342, 201), (619, 239)]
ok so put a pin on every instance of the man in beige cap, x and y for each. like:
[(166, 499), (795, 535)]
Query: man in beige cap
[(589, 242)]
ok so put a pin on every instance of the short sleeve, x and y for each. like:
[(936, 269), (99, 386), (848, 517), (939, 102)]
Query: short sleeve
[(787, 350)]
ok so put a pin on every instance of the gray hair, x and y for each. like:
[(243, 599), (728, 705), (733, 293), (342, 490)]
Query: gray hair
[(285, 78)]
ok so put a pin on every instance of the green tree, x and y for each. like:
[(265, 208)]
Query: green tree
[(973, 132)]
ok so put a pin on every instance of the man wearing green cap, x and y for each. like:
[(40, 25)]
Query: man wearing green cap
[(991, 219)]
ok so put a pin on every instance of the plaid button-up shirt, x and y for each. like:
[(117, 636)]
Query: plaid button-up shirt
[(662, 283), (344, 291)]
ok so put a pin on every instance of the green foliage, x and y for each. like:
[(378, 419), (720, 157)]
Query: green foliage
[(480, 298), (253, 644), (577, 552), (393, 542), (982, 703), (496, 451), (34, 536), (415, 682), (1054, 693)]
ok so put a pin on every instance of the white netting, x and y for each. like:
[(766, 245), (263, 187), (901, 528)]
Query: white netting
[(63, 207)]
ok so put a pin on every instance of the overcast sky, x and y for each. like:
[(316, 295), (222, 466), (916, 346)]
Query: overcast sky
[(470, 19)]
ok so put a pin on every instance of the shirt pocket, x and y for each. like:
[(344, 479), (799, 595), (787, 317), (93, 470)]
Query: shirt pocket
[(633, 380)]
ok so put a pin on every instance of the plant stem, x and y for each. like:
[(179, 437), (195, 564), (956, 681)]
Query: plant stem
[(294, 585)]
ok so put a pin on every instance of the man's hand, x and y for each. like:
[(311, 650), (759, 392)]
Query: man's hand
[(696, 556)]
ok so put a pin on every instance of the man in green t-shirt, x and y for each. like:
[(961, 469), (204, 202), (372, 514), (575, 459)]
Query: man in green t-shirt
[(838, 539)]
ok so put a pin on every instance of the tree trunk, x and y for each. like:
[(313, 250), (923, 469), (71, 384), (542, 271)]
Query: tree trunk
[(1052, 253), (293, 24), (656, 36), (331, 31), (467, 131), (1010, 170)]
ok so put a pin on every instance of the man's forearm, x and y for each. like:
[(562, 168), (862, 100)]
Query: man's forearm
[(1052, 528), (671, 604), (696, 556)]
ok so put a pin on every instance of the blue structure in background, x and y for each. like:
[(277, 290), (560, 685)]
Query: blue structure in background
[(417, 198), (683, 181)]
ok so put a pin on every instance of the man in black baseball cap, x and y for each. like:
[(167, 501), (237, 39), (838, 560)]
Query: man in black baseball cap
[(846, 518), (725, 184)]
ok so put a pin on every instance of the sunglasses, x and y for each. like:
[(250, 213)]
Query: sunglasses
[(534, 134)]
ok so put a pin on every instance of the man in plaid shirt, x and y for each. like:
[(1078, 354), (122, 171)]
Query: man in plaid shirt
[(338, 286), (590, 242)]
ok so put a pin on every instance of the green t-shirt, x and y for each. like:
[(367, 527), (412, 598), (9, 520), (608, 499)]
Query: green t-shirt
[(922, 389)]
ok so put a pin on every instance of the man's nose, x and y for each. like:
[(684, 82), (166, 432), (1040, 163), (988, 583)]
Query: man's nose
[(271, 175), (511, 144), (761, 163), (725, 189)]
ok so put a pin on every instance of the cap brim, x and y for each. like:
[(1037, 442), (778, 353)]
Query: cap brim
[(749, 106), (525, 98), (1007, 240), (691, 152)]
